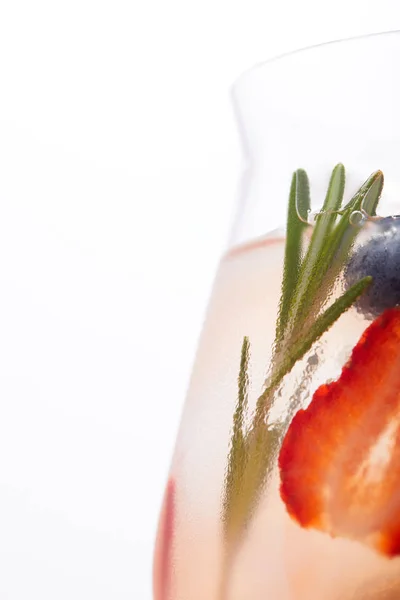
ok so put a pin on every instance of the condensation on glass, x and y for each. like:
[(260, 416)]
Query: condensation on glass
[(284, 481)]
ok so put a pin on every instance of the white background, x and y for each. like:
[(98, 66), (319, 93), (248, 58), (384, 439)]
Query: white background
[(118, 168)]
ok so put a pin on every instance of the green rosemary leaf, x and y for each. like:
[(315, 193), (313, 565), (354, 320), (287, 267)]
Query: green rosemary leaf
[(300, 346), (328, 318), (322, 229), (338, 245), (261, 444), (243, 388), (298, 208), (371, 199), (366, 199), (356, 203), (343, 236), (335, 192), (237, 453)]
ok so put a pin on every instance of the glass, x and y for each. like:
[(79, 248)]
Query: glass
[(285, 481)]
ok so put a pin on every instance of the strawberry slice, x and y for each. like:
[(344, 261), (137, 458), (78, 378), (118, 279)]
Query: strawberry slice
[(340, 459)]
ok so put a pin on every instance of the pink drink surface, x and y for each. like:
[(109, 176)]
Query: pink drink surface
[(276, 559)]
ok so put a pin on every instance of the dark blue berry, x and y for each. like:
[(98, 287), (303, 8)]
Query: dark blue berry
[(379, 257)]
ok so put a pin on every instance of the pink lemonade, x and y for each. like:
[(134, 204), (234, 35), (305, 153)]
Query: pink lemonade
[(285, 480), (276, 558)]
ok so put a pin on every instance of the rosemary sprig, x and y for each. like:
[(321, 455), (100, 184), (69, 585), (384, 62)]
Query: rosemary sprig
[(304, 343), (306, 284), (262, 441), (238, 454), (298, 209), (325, 222), (337, 247)]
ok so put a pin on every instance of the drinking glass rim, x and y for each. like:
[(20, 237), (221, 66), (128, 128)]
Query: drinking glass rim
[(237, 83)]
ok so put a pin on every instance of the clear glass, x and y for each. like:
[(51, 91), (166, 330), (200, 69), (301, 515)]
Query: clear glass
[(285, 480)]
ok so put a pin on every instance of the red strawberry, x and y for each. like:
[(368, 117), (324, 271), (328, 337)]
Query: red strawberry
[(340, 459)]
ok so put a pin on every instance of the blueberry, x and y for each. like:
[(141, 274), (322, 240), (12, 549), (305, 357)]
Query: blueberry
[(379, 257)]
